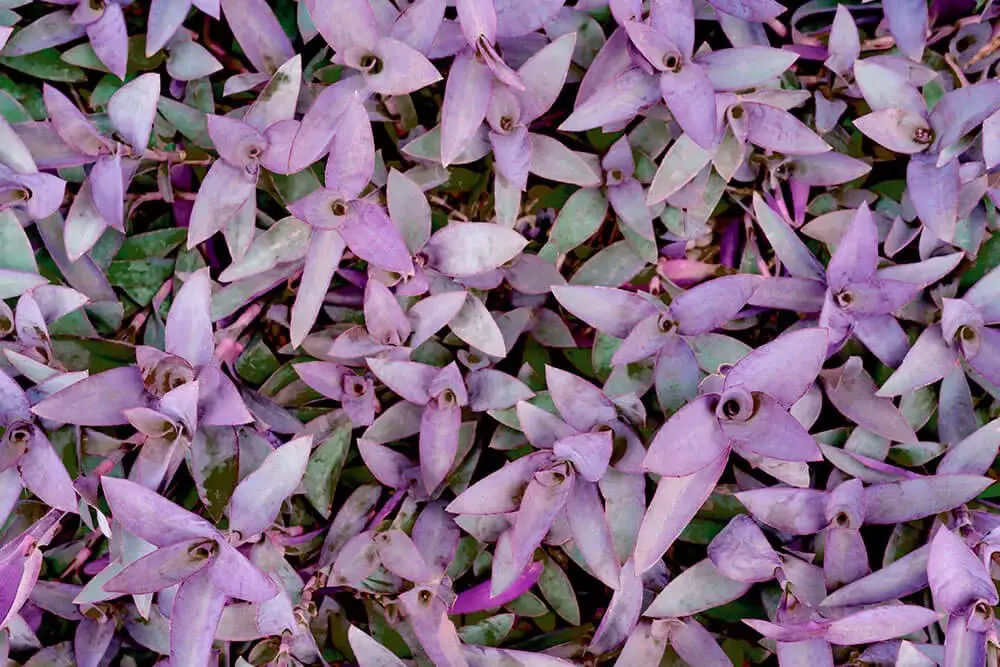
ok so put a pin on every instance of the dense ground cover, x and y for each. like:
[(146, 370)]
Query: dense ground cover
[(505, 332)]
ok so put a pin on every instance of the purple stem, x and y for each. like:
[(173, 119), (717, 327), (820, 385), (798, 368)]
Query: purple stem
[(389, 507)]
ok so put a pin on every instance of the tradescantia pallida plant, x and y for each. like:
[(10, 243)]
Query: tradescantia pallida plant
[(390, 332)]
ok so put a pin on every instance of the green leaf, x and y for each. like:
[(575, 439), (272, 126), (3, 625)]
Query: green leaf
[(137, 60), (141, 279), (281, 378), (992, 492), (612, 266), (103, 91), (152, 244), (382, 632), (15, 248), (527, 605), (987, 260), (721, 507), (541, 642), (83, 55), (915, 454), (700, 531), (28, 96), (233, 296), (214, 462), (92, 354), (602, 141), (12, 110), (905, 538), (489, 632), (713, 350), (578, 220), (199, 94), (189, 121), (325, 465), (465, 554), (558, 591), (257, 362), (604, 349), (642, 247), (295, 186), (581, 360), (45, 64), (736, 611)]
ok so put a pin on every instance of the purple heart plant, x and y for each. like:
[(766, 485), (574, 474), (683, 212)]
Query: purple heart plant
[(499, 333)]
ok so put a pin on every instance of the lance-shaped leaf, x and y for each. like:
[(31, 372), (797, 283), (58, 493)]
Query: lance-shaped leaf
[(164, 567), (698, 588), (777, 130), (617, 100), (399, 555), (278, 99), (787, 246), (896, 580), (151, 516), (543, 501), (929, 360), (43, 473), (439, 434), (326, 247), (802, 353), (609, 310), (132, 109), (478, 598), (99, 400), (427, 615), (676, 501), (896, 129), (879, 624), (588, 524), (623, 612), (71, 125), (91, 641), (741, 551), (470, 248), (20, 565), (224, 191), (934, 192), (431, 314), (580, 403), (845, 43), (690, 441), (744, 67), (194, 617), (258, 32), (188, 329), (467, 94), (957, 576), (490, 389), (795, 511), (258, 498), (476, 326), (911, 499), (369, 652), (908, 21), (852, 392), (711, 304), (500, 491), (974, 454)]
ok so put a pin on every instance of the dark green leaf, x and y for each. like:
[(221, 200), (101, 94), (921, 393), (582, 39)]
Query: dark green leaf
[(45, 64), (141, 279), (325, 465), (214, 464)]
